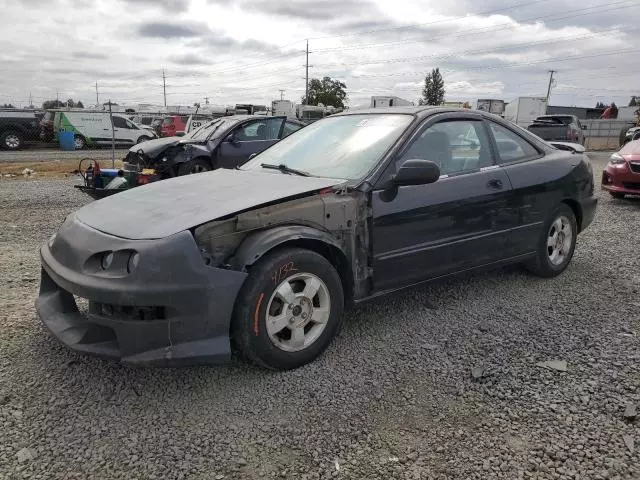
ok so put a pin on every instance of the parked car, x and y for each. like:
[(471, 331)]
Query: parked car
[(224, 142), (631, 134), (95, 128), (354, 206), (18, 127), (565, 128), (622, 175), (173, 125)]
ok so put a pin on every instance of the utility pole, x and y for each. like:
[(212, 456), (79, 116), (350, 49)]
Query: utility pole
[(206, 100), (113, 139), (281, 94), (551, 72), (97, 100), (164, 87), (30, 102), (306, 95), (57, 99)]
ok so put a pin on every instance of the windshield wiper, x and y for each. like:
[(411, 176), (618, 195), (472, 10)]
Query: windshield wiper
[(284, 169)]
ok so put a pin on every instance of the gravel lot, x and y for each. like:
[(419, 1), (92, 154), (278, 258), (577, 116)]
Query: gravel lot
[(394, 397)]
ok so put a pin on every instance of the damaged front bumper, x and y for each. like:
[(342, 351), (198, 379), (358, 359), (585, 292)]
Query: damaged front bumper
[(156, 303)]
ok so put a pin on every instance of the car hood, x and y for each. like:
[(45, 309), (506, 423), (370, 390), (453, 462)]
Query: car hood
[(165, 208), (154, 147)]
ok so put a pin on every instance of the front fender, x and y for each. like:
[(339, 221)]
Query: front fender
[(258, 244)]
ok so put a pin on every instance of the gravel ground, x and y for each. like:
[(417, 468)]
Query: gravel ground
[(394, 397), (38, 155)]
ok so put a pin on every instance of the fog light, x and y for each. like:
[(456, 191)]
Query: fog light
[(107, 260), (133, 262)]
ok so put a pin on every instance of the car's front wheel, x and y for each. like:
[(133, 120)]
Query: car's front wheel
[(289, 309), (193, 166), (11, 140), (556, 244)]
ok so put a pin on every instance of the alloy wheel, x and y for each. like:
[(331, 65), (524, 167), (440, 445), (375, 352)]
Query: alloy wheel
[(12, 141), (298, 312), (559, 240)]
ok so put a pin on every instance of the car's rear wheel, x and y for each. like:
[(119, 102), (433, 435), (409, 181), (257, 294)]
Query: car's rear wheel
[(556, 244), (11, 140), (616, 194), (289, 309), (193, 166), (79, 142)]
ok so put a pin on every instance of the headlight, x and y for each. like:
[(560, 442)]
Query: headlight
[(616, 159), (107, 260)]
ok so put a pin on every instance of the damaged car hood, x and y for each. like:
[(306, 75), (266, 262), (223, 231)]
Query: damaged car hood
[(154, 147), (165, 208)]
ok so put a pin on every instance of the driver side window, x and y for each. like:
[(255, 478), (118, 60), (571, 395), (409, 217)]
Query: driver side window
[(263, 129), (457, 146)]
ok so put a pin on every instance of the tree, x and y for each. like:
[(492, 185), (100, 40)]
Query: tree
[(433, 91), (79, 105), (8, 105), (52, 104), (330, 93), (600, 105), (634, 102)]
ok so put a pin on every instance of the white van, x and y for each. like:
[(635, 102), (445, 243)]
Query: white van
[(94, 128)]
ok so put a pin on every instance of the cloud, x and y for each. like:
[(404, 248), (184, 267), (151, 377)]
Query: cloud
[(90, 55), (172, 30), (168, 5), (190, 59), (310, 9)]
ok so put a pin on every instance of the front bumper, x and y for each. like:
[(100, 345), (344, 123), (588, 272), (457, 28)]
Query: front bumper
[(170, 310), (621, 179)]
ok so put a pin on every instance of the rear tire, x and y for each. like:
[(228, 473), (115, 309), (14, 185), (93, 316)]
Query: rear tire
[(11, 140), (196, 165), (617, 195), (288, 310), (80, 142), (556, 244)]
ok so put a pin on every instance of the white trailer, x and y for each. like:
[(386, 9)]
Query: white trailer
[(523, 110), (283, 108), (379, 101), (490, 105)]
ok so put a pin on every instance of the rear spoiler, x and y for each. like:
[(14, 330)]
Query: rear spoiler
[(568, 146)]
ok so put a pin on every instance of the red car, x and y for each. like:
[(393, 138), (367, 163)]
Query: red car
[(173, 125), (622, 175)]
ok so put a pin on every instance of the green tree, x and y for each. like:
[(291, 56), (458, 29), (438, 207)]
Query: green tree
[(433, 91), (327, 91), (634, 102), (600, 105), (8, 105), (52, 104)]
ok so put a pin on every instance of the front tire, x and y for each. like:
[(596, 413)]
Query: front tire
[(80, 142), (11, 140), (288, 310), (193, 166), (557, 243)]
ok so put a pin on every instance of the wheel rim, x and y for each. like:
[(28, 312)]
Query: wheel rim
[(79, 142), (12, 141), (559, 240), (298, 312)]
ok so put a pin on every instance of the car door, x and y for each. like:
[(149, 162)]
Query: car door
[(459, 222), (251, 137), (526, 167), (121, 130)]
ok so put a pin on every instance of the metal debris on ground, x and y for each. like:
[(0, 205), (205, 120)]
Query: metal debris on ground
[(557, 365)]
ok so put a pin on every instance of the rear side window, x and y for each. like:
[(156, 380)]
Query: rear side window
[(511, 147)]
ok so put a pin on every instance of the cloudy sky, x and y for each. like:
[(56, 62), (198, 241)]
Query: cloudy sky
[(237, 51)]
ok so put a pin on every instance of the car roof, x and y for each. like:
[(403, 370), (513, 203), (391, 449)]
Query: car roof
[(421, 111)]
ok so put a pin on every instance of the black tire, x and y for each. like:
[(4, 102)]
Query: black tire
[(197, 165), (80, 142), (249, 329), (11, 140), (143, 138), (617, 195), (542, 265)]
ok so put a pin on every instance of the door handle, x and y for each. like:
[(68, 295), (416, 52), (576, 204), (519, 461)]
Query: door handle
[(496, 184)]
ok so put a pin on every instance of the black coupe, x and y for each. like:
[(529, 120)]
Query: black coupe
[(268, 256)]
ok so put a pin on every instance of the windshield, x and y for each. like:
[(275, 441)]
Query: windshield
[(345, 147), (202, 133)]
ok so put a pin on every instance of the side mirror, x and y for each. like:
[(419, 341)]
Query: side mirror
[(417, 172)]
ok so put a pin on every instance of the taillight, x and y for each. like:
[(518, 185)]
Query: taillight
[(144, 179)]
